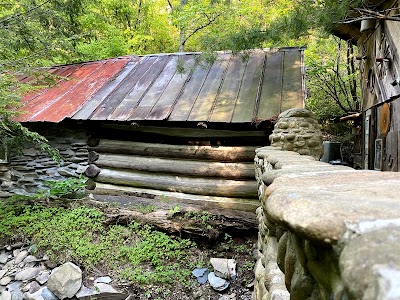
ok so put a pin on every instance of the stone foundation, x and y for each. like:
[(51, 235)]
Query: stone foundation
[(27, 172)]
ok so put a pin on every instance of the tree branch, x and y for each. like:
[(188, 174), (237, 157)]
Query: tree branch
[(4, 21), (170, 5), (375, 14), (210, 21)]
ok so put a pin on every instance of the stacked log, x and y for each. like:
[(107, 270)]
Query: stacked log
[(195, 170)]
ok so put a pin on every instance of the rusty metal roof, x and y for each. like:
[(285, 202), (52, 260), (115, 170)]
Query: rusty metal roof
[(231, 90)]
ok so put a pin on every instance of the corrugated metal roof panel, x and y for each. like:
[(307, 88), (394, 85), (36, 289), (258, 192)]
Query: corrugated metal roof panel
[(150, 88), (80, 83)]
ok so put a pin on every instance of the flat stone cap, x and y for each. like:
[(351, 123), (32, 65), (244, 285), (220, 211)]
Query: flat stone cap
[(296, 112), (370, 264), (318, 205)]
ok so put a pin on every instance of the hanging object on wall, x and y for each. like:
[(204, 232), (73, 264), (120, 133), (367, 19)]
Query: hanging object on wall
[(384, 119), (367, 25)]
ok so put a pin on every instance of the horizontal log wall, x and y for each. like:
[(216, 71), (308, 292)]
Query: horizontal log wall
[(193, 170)]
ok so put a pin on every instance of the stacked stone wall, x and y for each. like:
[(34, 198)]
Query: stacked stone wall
[(298, 130), (27, 172), (325, 232)]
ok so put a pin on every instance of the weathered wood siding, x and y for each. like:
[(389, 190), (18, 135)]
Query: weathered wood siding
[(380, 83)]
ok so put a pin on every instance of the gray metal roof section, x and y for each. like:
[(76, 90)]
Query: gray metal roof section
[(231, 90)]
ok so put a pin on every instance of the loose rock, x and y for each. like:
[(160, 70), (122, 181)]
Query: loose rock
[(224, 268), (65, 281), (217, 283), (27, 274), (105, 279), (201, 275), (5, 295)]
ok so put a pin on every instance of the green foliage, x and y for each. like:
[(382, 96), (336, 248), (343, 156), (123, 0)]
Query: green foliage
[(136, 253), (14, 136), (65, 187), (165, 256), (145, 209), (332, 86)]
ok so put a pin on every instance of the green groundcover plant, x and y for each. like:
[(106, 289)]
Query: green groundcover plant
[(135, 253)]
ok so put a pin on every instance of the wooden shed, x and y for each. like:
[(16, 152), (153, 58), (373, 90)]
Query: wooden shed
[(378, 40), (155, 130)]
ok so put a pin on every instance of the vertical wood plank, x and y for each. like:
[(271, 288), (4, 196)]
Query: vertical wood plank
[(53, 95), (84, 90), (87, 110), (165, 104), (150, 97), (104, 110)]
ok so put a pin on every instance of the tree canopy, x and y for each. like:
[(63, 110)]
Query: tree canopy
[(41, 33)]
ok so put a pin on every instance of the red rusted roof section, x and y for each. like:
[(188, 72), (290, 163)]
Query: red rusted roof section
[(231, 90), (79, 83)]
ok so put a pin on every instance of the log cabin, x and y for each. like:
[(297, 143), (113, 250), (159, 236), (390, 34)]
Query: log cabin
[(376, 32), (165, 125)]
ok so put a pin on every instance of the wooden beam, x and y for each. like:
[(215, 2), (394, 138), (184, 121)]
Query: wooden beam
[(177, 166), (185, 132), (222, 154), (159, 197), (184, 184)]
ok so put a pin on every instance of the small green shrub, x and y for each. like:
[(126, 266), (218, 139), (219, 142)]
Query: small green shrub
[(66, 187)]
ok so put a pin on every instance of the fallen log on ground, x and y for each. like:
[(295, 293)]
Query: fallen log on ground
[(186, 220)]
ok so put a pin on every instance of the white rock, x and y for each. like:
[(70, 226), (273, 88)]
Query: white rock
[(30, 259), (14, 285), (65, 281), (16, 294), (224, 268), (21, 256), (30, 287), (217, 283), (5, 280), (43, 277), (27, 274), (5, 295), (3, 272), (105, 279), (16, 252), (104, 288), (42, 294), (85, 293), (3, 257)]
